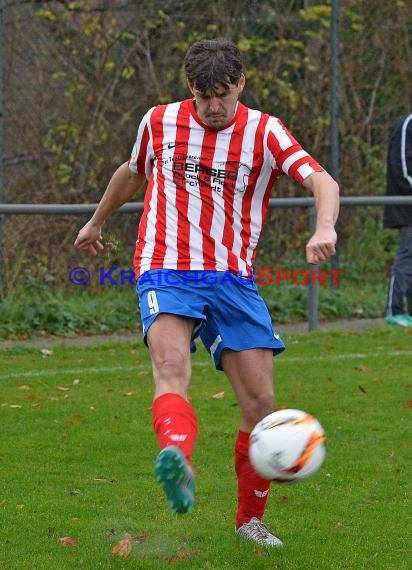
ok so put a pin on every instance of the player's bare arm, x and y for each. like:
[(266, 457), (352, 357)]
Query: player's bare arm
[(122, 187), (325, 190)]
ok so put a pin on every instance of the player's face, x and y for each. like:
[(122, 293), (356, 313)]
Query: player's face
[(216, 107)]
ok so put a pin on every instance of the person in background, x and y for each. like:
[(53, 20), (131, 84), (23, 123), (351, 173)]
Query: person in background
[(399, 182), (211, 164)]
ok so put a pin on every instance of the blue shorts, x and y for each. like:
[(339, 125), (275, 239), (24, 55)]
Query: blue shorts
[(228, 309)]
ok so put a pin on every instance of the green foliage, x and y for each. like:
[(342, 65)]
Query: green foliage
[(37, 309), (320, 13), (40, 309), (369, 250), (80, 77)]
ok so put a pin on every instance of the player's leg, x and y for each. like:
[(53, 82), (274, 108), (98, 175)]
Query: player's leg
[(400, 282), (409, 300), (174, 419), (251, 375), (171, 313), (408, 269), (169, 339), (240, 323)]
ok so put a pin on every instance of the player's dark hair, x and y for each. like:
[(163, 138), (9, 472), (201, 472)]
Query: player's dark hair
[(213, 62)]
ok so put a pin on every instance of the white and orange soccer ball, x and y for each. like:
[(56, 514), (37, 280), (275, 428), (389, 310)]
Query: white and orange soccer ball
[(287, 446)]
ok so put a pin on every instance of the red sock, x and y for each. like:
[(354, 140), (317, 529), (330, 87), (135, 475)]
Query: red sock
[(253, 490), (175, 423)]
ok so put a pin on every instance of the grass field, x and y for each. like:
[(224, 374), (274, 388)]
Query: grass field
[(77, 450)]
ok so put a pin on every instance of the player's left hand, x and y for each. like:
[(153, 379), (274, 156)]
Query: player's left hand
[(321, 245), (89, 239)]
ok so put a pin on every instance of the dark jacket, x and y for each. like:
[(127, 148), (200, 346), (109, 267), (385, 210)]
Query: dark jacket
[(399, 173)]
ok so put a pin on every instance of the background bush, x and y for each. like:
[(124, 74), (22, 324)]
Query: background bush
[(78, 76)]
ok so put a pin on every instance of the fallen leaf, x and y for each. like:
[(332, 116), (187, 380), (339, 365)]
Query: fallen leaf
[(219, 396), (409, 404), (362, 389), (123, 547), (260, 552), (14, 406), (104, 480), (76, 381), (179, 556), (143, 373), (362, 368), (67, 541), (46, 352), (24, 387), (111, 532), (129, 394), (140, 537), (364, 293), (63, 389), (19, 507)]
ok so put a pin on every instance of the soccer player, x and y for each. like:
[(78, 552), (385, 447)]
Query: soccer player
[(211, 164), (399, 182)]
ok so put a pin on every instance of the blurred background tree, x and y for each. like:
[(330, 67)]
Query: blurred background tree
[(78, 76)]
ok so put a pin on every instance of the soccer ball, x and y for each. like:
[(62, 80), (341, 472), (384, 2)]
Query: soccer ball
[(287, 446)]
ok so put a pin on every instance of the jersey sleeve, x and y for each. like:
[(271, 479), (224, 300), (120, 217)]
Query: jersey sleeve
[(400, 155), (286, 153), (142, 156)]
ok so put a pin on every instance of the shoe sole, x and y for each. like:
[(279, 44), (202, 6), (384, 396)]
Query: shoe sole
[(171, 471)]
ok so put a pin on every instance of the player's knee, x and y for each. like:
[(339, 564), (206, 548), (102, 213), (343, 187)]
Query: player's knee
[(173, 368), (260, 405)]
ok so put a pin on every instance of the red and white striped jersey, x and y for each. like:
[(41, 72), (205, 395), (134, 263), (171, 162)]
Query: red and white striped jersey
[(208, 192)]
